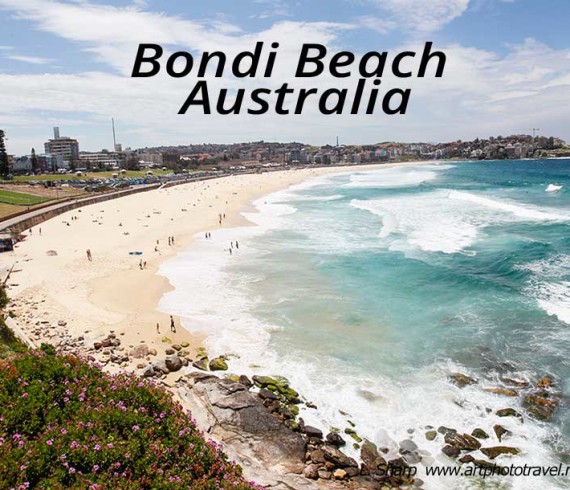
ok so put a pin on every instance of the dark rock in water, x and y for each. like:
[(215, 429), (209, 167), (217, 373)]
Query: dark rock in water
[(173, 363), (352, 433), (461, 380), (480, 434), (313, 431), (338, 458), (450, 451), (502, 391), (201, 364), (519, 383), (446, 430), (408, 446), (540, 405), (500, 431), (493, 452), (335, 439), (545, 382), (265, 394), (480, 463), (431, 435), (311, 471), (508, 412), (218, 364), (463, 442), (466, 459), (371, 457), (244, 380)]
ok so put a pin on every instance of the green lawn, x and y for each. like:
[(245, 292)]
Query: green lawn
[(88, 175), (20, 199)]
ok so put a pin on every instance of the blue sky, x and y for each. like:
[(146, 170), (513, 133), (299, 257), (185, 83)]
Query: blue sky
[(67, 63)]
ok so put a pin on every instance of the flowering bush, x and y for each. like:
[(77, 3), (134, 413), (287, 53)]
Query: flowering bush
[(65, 424)]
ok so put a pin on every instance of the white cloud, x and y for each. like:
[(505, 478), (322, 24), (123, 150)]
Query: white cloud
[(480, 94), (423, 15), (35, 60)]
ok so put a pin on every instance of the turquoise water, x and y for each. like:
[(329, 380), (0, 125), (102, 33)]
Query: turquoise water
[(367, 289)]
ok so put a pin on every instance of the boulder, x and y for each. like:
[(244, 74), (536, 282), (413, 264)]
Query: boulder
[(539, 405), (184, 344), (160, 367), (431, 435), (545, 382), (244, 380), (318, 457), (169, 352), (311, 471), (324, 474), (463, 442), (493, 452), (335, 439), (173, 363), (148, 372), (480, 434), (218, 364), (312, 431), (450, 451), (176, 347), (265, 394), (508, 412), (502, 391), (461, 380), (201, 364), (371, 457), (139, 352), (337, 457), (339, 474), (500, 431)]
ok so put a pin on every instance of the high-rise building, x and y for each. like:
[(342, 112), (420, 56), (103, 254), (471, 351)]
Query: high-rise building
[(63, 150)]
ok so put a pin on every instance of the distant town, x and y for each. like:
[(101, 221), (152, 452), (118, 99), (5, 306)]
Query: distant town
[(62, 154)]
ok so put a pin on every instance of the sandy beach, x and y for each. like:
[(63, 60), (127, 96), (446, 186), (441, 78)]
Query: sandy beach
[(58, 293)]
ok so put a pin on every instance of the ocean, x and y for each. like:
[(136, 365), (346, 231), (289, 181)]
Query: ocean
[(367, 289)]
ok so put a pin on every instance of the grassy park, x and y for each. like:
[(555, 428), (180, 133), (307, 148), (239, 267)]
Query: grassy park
[(131, 174)]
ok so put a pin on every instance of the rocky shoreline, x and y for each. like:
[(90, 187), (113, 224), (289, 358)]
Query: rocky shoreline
[(259, 421)]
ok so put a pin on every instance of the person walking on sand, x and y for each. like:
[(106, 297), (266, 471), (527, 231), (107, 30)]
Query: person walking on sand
[(140, 265), (157, 327), (89, 256), (144, 264), (40, 230), (237, 244), (172, 326)]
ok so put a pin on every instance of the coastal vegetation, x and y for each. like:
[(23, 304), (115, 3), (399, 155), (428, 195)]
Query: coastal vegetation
[(66, 424)]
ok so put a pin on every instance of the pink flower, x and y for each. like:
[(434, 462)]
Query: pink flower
[(49, 442)]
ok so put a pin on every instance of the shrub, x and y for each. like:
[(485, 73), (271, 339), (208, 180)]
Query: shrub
[(65, 424)]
